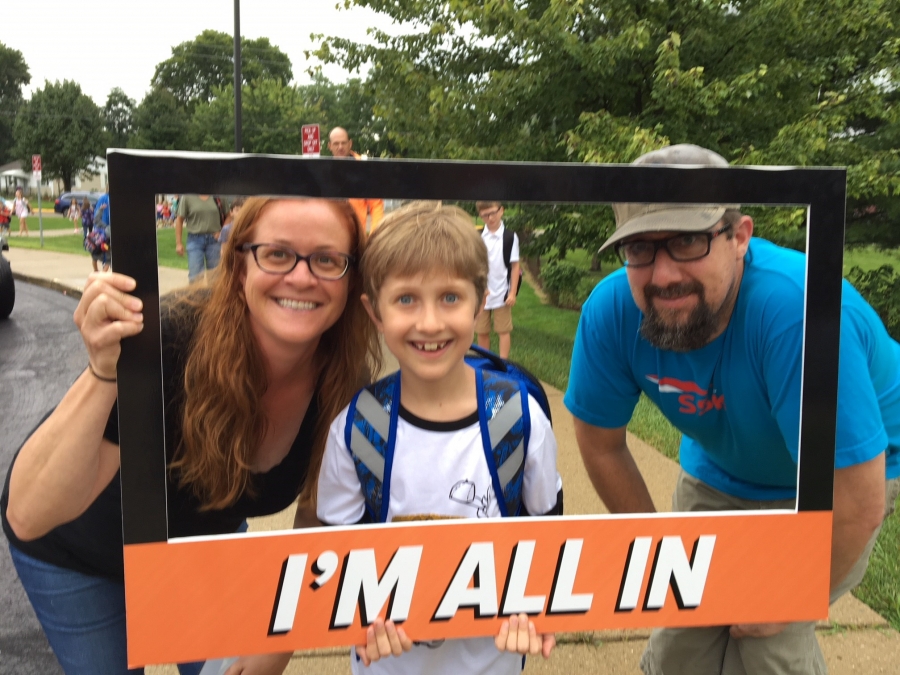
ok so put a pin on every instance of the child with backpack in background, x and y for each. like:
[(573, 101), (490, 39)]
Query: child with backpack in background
[(87, 219), (96, 237), (417, 445), (504, 277)]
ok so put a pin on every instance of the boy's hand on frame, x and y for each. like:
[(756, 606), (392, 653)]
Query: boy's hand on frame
[(383, 638), (518, 634)]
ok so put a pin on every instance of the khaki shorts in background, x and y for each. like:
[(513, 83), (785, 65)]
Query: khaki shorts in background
[(502, 321)]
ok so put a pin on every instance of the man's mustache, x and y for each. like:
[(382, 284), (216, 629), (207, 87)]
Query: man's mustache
[(673, 290)]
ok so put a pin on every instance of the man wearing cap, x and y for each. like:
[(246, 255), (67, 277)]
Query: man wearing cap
[(340, 145), (707, 321)]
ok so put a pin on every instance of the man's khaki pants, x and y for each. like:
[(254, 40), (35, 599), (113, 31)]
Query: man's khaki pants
[(712, 651)]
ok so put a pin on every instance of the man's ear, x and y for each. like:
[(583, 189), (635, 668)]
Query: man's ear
[(743, 230), (372, 312)]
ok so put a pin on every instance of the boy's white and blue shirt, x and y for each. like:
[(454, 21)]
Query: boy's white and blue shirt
[(439, 469), (737, 400)]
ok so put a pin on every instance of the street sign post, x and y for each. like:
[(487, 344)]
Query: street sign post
[(311, 144), (36, 168)]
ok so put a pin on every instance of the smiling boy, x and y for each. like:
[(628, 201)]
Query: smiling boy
[(425, 277)]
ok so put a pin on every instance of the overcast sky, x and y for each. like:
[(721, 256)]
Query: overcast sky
[(101, 44)]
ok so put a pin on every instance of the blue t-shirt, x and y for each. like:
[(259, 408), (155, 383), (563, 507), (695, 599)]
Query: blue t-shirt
[(104, 215), (737, 400)]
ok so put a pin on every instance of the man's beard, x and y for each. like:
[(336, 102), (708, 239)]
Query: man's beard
[(695, 332)]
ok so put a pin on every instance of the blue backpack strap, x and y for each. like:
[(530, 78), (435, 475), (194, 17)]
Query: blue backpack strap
[(505, 431), (479, 357), (370, 435)]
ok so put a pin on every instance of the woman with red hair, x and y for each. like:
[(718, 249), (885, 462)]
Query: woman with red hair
[(255, 368)]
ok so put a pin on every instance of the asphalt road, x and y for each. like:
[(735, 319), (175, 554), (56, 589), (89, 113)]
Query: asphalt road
[(41, 354)]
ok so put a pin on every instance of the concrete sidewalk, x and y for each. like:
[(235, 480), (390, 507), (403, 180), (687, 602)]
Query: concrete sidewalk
[(68, 273), (854, 640)]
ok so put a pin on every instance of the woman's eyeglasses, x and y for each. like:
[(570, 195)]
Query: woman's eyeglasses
[(275, 259)]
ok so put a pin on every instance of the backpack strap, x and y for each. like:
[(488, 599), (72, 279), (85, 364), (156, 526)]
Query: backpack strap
[(221, 209), (508, 239), (505, 431), (370, 434), (371, 431)]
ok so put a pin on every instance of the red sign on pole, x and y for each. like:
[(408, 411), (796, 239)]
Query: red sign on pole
[(35, 162), (310, 135)]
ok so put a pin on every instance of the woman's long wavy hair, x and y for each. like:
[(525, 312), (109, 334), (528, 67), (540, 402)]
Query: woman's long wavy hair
[(224, 421)]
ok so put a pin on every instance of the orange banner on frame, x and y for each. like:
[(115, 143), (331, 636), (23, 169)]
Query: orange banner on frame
[(245, 594)]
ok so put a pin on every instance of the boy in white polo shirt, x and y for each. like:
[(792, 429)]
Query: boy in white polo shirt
[(503, 277), (424, 274)]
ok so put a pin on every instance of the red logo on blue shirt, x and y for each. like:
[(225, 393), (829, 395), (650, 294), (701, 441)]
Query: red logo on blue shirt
[(693, 398)]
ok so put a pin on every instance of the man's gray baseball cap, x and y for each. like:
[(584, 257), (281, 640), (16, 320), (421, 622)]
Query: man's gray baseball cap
[(639, 218)]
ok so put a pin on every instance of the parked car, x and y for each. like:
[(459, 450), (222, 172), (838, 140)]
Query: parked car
[(7, 288), (7, 284), (65, 200)]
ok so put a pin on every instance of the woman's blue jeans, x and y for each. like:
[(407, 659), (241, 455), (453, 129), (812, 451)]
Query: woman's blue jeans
[(202, 253), (82, 616)]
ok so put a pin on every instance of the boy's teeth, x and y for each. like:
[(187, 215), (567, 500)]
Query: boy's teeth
[(430, 346), (296, 304)]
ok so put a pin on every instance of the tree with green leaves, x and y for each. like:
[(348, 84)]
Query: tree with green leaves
[(118, 118), (199, 66), (13, 76), (350, 105), (759, 81), (160, 123), (64, 126), (272, 116)]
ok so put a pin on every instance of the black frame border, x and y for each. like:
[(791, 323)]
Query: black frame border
[(135, 177)]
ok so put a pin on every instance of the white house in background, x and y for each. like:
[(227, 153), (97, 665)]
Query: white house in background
[(14, 174), (95, 183)]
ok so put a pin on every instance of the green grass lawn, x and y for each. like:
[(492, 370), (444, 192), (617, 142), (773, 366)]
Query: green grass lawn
[(870, 258), (72, 243), (880, 589), (51, 222), (69, 243)]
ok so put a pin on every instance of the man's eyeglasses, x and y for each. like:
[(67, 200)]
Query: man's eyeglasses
[(484, 215), (681, 248), (276, 259)]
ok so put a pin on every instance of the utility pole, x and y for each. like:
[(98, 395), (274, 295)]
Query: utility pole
[(238, 144)]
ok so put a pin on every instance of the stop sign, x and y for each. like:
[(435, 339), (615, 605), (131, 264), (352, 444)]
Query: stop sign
[(35, 162)]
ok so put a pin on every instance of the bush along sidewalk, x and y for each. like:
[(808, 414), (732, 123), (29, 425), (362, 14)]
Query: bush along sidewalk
[(561, 280)]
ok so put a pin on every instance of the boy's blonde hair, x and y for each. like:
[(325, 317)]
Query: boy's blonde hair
[(420, 237)]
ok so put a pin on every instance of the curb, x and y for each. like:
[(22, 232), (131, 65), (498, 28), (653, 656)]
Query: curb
[(52, 284)]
